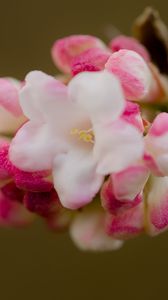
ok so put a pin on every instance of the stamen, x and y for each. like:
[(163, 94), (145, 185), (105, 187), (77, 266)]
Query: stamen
[(85, 135)]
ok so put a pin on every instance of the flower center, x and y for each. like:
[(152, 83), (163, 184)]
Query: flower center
[(84, 135)]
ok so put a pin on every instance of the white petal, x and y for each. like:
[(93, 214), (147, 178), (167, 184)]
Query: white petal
[(75, 178), (39, 93), (33, 148), (117, 146), (99, 93)]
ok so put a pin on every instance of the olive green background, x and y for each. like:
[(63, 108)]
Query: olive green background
[(35, 263)]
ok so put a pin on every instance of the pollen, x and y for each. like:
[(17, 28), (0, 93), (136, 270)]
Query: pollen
[(84, 135)]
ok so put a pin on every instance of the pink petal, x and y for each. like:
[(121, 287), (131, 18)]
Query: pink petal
[(112, 204), (93, 59), (12, 212), (5, 167), (9, 97), (127, 224), (157, 206), (66, 49), (132, 71), (132, 115), (156, 143), (42, 203), (35, 181), (129, 43), (128, 183)]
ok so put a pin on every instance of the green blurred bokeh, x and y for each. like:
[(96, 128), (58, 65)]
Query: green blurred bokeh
[(37, 264)]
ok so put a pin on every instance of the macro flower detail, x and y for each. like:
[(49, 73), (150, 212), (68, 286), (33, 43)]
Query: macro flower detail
[(87, 150), (10, 111), (77, 131)]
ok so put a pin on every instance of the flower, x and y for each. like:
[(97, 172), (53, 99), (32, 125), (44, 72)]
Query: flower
[(66, 49), (129, 43), (87, 230), (156, 155), (77, 131), (10, 111), (24, 194)]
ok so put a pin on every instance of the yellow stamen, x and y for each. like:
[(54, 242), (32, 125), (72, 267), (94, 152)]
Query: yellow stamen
[(84, 135)]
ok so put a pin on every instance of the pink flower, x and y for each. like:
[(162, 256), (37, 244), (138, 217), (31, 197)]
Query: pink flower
[(12, 211), (11, 116), (129, 43), (66, 49), (77, 131), (124, 190), (133, 73), (157, 205), (156, 143), (90, 60), (88, 232), (126, 224), (24, 192)]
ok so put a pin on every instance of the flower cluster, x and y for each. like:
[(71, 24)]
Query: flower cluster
[(87, 150)]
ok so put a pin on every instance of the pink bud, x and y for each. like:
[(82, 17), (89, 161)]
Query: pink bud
[(129, 43), (157, 206), (12, 211), (114, 205), (42, 203), (91, 60), (88, 232), (9, 96), (127, 224), (123, 190), (132, 71), (66, 49), (156, 142)]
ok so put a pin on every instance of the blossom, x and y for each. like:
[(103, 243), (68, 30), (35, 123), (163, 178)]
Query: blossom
[(24, 194), (87, 150), (66, 49), (129, 43), (88, 232), (10, 111), (156, 145), (77, 131), (157, 205)]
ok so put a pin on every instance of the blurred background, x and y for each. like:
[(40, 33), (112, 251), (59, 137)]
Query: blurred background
[(35, 263)]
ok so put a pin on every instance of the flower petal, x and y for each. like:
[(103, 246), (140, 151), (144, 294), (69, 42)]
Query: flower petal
[(64, 50), (127, 224), (88, 232), (113, 205), (9, 96), (133, 73), (33, 147), (123, 190), (130, 182), (99, 93), (12, 212), (156, 143), (117, 146), (129, 43), (157, 205), (40, 94), (91, 60), (75, 178)]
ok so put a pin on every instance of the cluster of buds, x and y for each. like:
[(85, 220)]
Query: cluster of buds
[(87, 150)]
